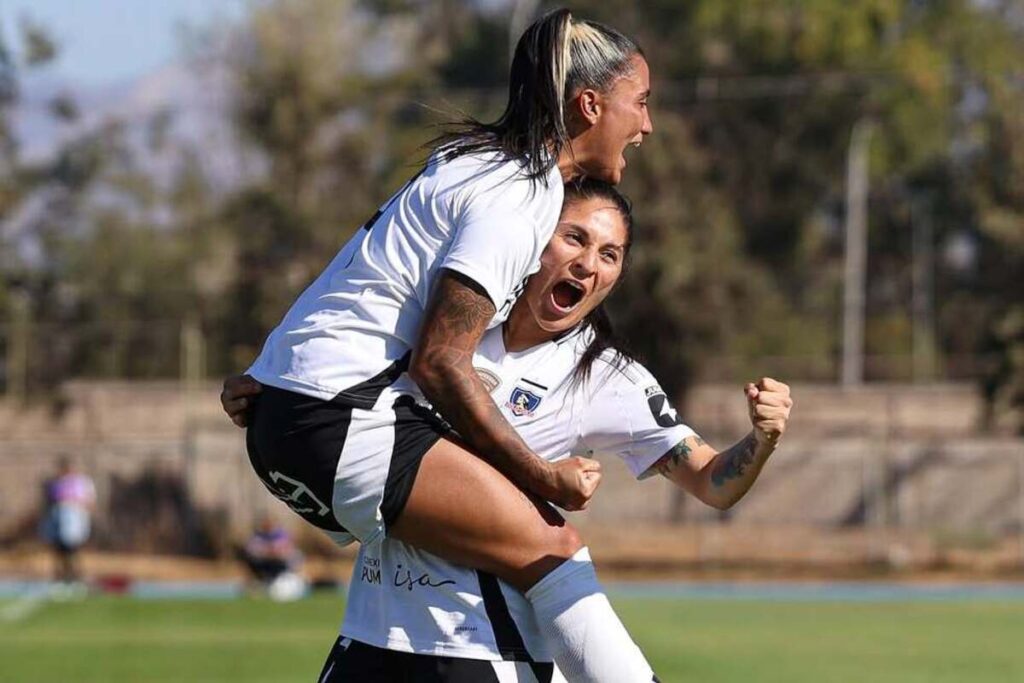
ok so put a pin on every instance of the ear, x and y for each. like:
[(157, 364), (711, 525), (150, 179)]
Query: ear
[(589, 105)]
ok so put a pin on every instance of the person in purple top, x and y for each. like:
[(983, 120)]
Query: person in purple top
[(270, 551), (68, 498)]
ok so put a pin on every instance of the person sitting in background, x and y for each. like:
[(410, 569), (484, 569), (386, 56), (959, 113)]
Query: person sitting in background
[(270, 552), (68, 500)]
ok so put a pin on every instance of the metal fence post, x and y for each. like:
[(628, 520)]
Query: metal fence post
[(1020, 507)]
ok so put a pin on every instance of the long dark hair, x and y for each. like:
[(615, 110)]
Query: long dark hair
[(598, 321), (555, 57)]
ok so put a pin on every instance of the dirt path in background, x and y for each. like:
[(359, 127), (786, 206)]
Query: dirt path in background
[(649, 553)]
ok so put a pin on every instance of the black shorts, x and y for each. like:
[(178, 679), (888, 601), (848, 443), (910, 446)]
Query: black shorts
[(343, 468), (351, 661), (64, 548)]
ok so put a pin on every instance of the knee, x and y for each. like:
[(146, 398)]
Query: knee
[(549, 552), (564, 541)]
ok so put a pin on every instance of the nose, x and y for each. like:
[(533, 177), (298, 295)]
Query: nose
[(648, 126), (585, 264)]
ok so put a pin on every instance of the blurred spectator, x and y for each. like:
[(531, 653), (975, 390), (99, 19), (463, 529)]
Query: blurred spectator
[(68, 501), (270, 552)]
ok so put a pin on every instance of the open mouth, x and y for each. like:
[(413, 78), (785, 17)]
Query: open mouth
[(566, 294), (628, 148)]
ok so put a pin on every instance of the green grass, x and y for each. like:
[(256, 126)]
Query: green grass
[(109, 639)]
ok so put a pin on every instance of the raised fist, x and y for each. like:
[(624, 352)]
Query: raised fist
[(768, 403)]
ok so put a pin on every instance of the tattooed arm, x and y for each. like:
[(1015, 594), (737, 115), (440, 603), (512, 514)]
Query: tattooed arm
[(721, 479), (442, 366), (718, 479)]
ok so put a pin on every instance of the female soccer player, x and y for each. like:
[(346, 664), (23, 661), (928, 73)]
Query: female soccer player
[(340, 434), (566, 389)]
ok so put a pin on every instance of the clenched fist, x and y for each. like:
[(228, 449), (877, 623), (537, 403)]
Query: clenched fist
[(573, 482), (768, 403)]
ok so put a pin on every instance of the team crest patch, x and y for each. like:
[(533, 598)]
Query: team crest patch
[(664, 414), (523, 402)]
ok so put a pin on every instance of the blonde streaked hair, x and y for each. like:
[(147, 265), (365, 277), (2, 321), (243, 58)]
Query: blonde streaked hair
[(556, 58)]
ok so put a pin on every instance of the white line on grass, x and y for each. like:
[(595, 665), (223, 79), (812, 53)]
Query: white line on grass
[(22, 608)]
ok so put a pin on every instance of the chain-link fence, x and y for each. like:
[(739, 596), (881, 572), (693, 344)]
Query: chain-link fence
[(892, 474)]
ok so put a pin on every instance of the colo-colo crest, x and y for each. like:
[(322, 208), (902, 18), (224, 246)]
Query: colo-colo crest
[(523, 402)]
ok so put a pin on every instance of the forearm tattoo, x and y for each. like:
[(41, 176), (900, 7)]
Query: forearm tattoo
[(732, 463), (455, 322)]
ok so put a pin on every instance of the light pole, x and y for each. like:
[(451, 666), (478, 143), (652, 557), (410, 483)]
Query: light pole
[(854, 280)]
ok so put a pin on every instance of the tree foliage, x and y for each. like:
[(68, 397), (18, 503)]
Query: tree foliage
[(739, 194)]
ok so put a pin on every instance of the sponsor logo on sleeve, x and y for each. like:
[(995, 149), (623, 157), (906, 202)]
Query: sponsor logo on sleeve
[(664, 414)]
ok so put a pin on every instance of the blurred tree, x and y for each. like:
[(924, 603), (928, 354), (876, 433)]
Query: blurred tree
[(18, 282), (768, 93), (322, 91), (95, 248), (739, 194)]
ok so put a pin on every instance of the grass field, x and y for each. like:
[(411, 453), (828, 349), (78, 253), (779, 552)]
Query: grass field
[(107, 640)]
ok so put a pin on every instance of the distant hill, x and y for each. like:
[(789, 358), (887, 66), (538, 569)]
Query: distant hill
[(194, 102), (189, 105)]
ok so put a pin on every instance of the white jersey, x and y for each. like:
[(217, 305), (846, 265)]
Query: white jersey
[(351, 329), (404, 599)]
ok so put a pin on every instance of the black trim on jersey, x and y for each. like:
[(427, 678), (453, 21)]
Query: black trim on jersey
[(368, 225), (507, 638), (365, 394), (533, 384)]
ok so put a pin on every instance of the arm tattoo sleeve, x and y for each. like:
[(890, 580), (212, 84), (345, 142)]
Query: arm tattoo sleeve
[(454, 323), (734, 462), (466, 310)]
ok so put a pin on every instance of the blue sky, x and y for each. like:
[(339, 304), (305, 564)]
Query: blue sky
[(106, 41)]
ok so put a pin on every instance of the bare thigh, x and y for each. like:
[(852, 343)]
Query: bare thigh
[(462, 509)]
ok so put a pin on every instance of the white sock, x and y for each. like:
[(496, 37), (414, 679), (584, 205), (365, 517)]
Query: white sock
[(587, 641)]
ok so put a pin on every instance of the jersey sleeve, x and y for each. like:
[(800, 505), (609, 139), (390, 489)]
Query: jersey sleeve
[(630, 416), (499, 238)]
